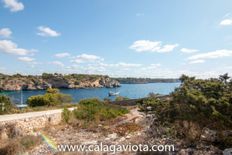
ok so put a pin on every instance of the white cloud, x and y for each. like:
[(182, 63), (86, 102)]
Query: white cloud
[(120, 64), (13, 5), (152, 46), (151, 67), (26, 59), (196, 61), (127, 65), (5, 32), (188, 50), (47, 32), (83, 58), (211, 55), (57, 63), (10, 47), (62, 55), (167, 48), (226, 22)]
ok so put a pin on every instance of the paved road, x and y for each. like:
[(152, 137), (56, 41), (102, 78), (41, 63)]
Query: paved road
[(12, 117)]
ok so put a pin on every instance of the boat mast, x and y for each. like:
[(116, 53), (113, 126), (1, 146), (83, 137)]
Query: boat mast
[(21, 96)]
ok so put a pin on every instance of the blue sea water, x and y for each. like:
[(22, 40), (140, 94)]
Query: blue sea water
[(132, 91)]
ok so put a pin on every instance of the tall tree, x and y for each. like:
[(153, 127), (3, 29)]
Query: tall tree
[(224, 78)]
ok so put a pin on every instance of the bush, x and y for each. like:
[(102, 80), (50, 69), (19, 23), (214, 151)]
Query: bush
[(51, 98), (5, 104), (121, 98), (52, 91), (66, 114), (29, 141), (195, 105), (96, 110), (64, 98), (209, 101), (38, 100), (20, 145), (152, 102)]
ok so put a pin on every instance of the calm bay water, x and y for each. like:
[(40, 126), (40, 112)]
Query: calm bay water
[(127, 90)]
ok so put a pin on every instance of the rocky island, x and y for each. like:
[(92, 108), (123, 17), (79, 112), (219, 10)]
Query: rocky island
[(44, 81)]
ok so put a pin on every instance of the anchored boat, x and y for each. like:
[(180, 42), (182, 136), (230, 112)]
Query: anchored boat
[(21, 105), (114, 93)]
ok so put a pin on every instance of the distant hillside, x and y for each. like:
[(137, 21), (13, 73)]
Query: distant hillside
[(31, 82), (145, 80)]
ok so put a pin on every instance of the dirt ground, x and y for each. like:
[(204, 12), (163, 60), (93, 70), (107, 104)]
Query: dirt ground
[(129, 129)]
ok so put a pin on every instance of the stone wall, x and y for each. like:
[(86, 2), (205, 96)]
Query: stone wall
[(27, 125)]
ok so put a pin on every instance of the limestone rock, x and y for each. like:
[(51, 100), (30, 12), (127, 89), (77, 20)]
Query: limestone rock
[(227, 151), (19, 82), (113, 136), (208, 135)]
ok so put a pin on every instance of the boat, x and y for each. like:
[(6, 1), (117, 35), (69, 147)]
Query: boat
[(21, 105), (114, 93)]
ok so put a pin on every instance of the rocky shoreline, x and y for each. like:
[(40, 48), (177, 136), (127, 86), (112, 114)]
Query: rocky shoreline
[(71, 81)]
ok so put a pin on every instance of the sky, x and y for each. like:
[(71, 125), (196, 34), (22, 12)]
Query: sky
[(120, 38)]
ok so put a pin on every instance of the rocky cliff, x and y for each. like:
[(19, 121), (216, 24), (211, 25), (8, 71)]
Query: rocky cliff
[(71, 81)]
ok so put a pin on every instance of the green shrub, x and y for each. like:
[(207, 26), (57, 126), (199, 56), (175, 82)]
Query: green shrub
[(38, 100), (152, 102), (206, 102), (121, 98), (65, 98), (51, 98), (66, 115), (96, 110), (20, 145), (52, 91), (29, 141), (5, 104)]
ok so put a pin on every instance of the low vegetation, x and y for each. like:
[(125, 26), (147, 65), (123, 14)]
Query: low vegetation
[(126, 128), (66, 115), (121, 98), (52, 97), (5, 105), (196, 103), (12, 143), (209, 101), (19, 145), (93, 111)]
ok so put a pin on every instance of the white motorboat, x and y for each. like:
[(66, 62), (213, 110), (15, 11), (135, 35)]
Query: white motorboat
[(114, 93)]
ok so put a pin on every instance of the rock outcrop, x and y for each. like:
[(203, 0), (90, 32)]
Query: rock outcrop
[(72, 81)]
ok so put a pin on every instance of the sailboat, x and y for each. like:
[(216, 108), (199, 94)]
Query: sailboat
[(21, 105)]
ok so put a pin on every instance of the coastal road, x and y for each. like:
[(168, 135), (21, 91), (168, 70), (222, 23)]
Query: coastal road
[(12, 117)]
